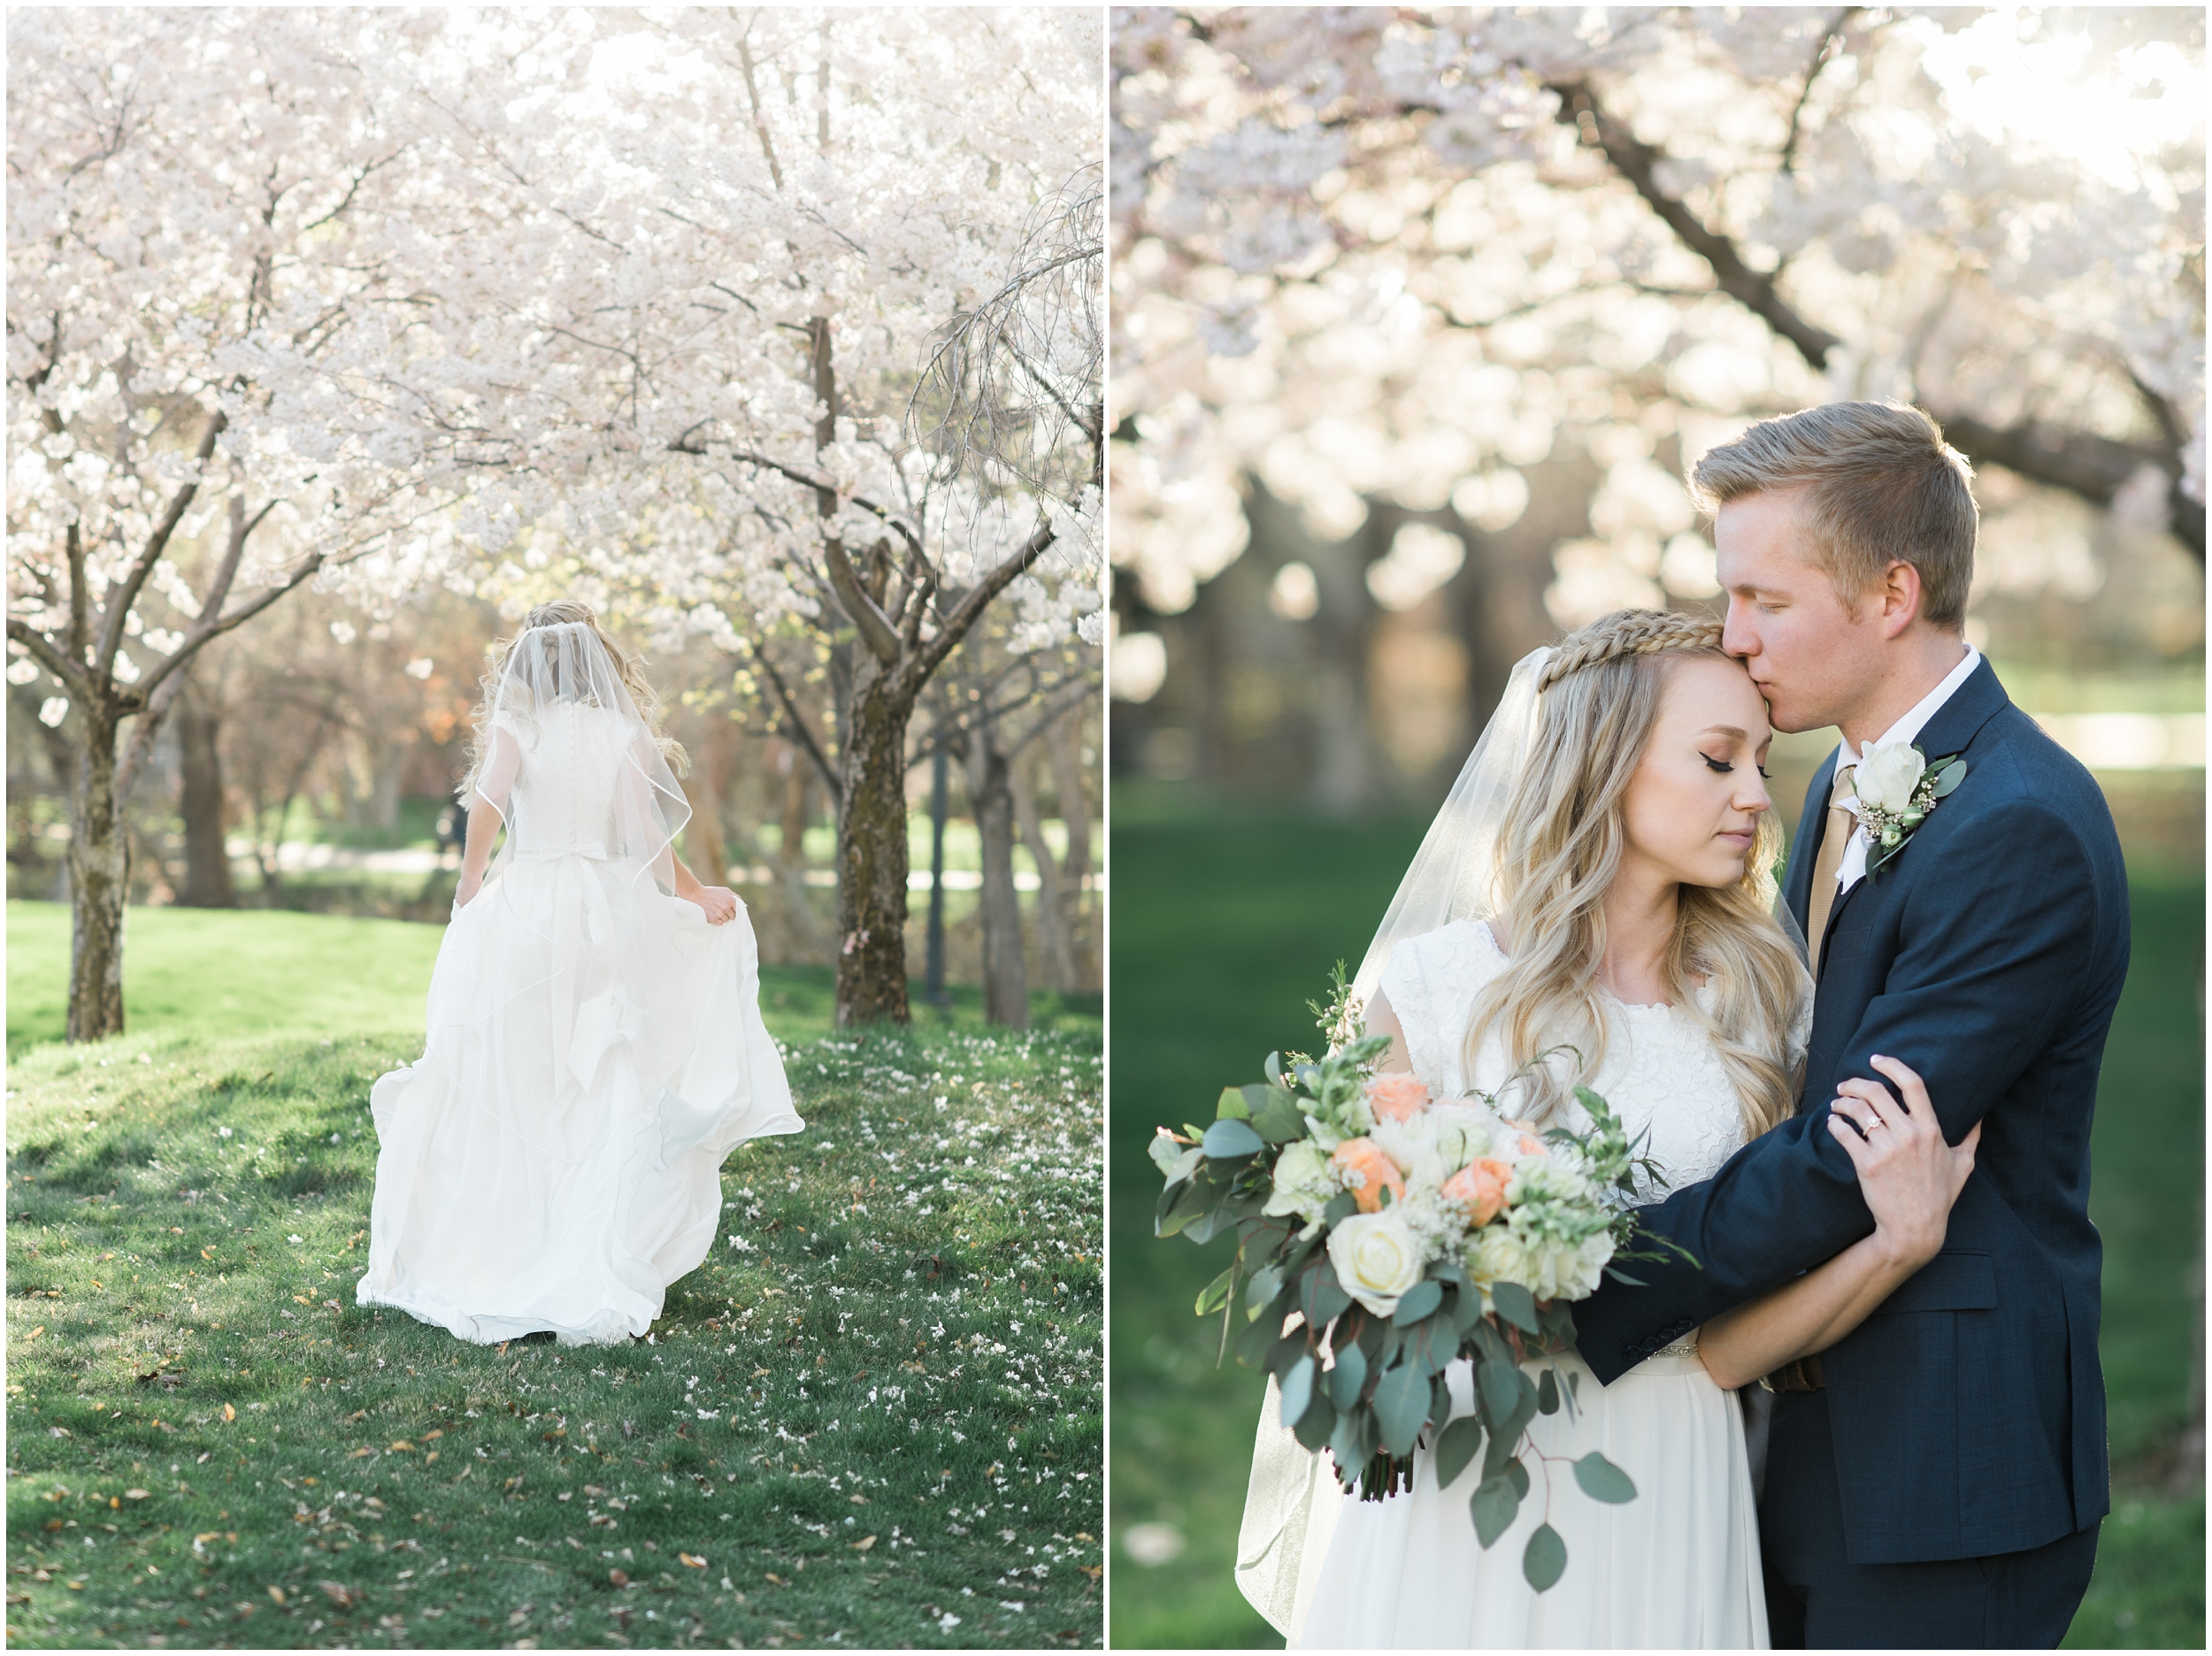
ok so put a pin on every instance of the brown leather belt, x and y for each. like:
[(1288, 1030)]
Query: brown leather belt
[(1803, 1375)]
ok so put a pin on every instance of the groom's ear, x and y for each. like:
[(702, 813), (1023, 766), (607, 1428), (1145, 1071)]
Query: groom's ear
[(1896, 600)]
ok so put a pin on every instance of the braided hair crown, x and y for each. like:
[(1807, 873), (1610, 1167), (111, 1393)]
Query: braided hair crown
[(1627, 632)]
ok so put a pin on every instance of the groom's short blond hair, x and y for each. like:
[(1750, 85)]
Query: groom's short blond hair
[(1880, 486)]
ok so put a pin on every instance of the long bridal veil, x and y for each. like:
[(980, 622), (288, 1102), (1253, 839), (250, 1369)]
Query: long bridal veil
[(1292, 1503)]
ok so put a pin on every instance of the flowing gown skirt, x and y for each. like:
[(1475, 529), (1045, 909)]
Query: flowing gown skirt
[(1677, 1568), (552, 1161)]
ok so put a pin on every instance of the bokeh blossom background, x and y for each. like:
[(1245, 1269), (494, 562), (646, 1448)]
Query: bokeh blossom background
[(1419, 316)]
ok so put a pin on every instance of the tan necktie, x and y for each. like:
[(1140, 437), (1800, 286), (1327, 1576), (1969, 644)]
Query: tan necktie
[(1820, 901)]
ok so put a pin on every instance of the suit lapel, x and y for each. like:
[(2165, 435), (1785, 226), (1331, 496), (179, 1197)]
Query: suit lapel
[(1958, 721), (1951, 729)]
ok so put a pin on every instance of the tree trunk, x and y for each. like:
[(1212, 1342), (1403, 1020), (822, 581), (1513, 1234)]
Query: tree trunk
[(1005, 986), (1054, 922), (99, 884), (791, 847), (1071, 782), (708, 858), (206, 859), (871, 860)]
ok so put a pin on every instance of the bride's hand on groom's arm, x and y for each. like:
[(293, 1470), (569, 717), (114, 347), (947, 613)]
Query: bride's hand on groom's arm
[(1909, 1178), (1909, 1175)]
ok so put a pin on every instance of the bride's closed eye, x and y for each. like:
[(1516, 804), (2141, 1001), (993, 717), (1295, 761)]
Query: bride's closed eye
[(1725, 768)]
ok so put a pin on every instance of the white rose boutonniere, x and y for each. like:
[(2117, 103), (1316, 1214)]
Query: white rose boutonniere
[(1887, 774), (1894, 788)]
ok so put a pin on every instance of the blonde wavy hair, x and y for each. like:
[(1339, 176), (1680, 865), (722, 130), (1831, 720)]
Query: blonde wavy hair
[(1560, 846), (630, 667)]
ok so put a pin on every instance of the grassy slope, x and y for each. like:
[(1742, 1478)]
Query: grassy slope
[(1225, 923), (908, 1349)]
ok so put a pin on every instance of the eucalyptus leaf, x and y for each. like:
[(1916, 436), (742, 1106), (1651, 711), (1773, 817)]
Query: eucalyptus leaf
[(1547, 1394), (1545, 1560), (1517, 1474), (1314, 1430), (1215, 1293), (1348, 1376), (1231, 1106), (1493, 1507), (1516, 1306), (1297, 1384), (1601, 1480), (1951, 777), (1266, 1283), (1417, 1302), (1273, 1068), (1501, 1389), (1402, 1407), (1349, 1443), (1456, 1445), (1256, 1339), (1230, 1140), (1326, 1299), (1204, 1227)]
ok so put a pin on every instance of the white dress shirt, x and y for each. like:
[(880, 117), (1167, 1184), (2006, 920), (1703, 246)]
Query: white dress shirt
[(1854, 867)]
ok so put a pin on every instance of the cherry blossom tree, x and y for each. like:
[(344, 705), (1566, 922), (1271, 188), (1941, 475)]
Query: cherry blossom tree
[(810, 362), (1393, 254), (188, 192)]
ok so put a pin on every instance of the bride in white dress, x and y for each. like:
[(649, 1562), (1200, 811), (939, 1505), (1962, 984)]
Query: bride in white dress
[(595, 1045), (1602, 876)]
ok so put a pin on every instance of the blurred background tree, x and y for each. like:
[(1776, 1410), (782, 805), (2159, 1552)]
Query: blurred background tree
[(1419, 317)]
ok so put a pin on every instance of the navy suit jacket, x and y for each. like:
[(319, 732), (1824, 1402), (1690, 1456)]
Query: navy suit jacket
[(1968, 1412)]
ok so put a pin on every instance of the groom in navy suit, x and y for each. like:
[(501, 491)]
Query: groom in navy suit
[(1938, 1475)]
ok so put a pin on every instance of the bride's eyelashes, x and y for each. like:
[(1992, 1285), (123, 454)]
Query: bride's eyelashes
[(1726, 769)]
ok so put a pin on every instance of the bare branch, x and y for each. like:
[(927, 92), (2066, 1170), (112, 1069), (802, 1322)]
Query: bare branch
[(1831, 42), (1637, 162), (40, 648), (119, 602), (798, 720), (955, 626)]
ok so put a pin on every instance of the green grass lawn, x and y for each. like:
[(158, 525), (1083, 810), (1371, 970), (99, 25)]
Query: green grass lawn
[(874, 1421), (261, 971), (1226, 920)]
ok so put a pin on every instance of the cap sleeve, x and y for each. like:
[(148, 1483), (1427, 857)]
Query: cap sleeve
[(494, 783)]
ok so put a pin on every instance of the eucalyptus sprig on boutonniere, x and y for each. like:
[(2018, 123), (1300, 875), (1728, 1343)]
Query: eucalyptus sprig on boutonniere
[(1894, 788)]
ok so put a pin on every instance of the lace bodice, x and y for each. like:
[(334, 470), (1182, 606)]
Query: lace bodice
[(1660, 1073), (569, 765)]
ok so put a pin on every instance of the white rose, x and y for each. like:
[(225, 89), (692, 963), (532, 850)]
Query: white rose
[(1497, 1256), (1887, 774), (1301, 1184), (1460, 1139), (1568, 1270), (1377, 1258)]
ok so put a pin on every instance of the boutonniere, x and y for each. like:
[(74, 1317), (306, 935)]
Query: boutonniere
[(1895, 786)]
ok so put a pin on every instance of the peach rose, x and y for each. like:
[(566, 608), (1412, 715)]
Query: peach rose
[(1531, 1144), (1481, 1185), (1398, 1096), (1365, 1157)]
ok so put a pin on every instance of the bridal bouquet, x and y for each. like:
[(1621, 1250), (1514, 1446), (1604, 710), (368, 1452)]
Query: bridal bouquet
[(1381, 1235)]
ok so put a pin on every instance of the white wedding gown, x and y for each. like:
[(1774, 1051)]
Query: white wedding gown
[(594, 1050), (1676, 1568)]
